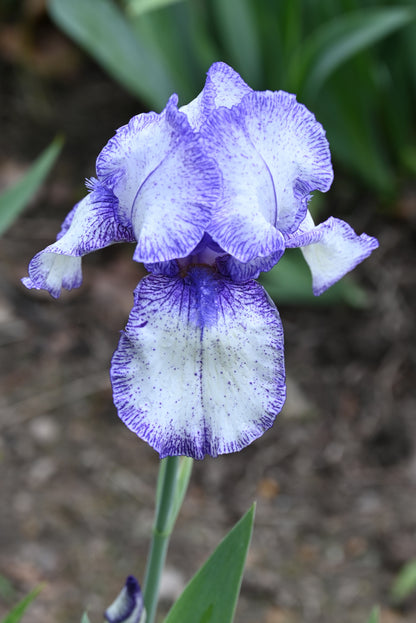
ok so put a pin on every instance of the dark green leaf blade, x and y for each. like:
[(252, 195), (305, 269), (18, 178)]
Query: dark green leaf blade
[(102, 30), (17, 612), (211, 595), (339, 40), (14, 200)]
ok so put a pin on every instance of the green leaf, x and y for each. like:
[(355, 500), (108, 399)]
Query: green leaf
[(15, 199), (211, 595), (375, 615), (138, 7), (289, 282), (102, 30), (85, 618), (239, 37), (17, 612), (405, 582), (339, 40)]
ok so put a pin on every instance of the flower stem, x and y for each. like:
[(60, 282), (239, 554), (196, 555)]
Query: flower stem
[(174, 474)]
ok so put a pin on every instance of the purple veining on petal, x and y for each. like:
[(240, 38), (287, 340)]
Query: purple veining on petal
[(91, 225), (128, 606), (199, 369), (223, 87)]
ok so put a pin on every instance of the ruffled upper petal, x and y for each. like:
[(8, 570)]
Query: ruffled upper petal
[(331, 250), (223, 87), (272, 153), (164, 182), (91, 225), (199, 369)]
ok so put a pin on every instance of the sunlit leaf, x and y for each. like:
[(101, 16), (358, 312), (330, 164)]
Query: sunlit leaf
[(101, 29), (18, 611), (405, 583), (15, 199), (138, 7), (211, 595)]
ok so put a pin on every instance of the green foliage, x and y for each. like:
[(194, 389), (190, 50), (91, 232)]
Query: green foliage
[(85, 618), (375, 615), (405, 583), (211, 595), (15, 199), (289, 282), (15, 615), (353, 63), (101, 29)]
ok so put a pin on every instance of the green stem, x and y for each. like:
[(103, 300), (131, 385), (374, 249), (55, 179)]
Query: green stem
[(162, 529)]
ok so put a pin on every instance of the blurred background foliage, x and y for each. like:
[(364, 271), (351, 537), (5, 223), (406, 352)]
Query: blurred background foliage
[(353, 62)]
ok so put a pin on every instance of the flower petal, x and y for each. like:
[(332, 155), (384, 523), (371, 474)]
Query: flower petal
[(128, 606), (91, 225), (331, 250), (272, 153), (223, 87), (165, 184), (200, 367)]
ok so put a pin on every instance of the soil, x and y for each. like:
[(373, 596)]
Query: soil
[(334, 479)]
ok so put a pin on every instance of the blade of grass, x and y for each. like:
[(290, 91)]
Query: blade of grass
[(14, 200)]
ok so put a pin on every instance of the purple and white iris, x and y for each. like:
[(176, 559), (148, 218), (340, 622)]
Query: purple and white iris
[(128, 606), (211, 194)]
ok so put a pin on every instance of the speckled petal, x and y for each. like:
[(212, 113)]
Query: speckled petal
[(91, 225), (200, 368), (128, 606), (164, 182), (272, 153), (223, 87), (331, 250)]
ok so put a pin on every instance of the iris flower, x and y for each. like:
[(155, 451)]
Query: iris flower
[(211, 194), (128, 606)]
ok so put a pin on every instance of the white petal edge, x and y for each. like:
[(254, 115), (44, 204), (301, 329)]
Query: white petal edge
[(331, 250), (200, 367)]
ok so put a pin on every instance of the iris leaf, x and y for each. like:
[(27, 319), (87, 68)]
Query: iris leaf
[(139, 7), (340, 39), (15, 615), (405, 583), (211, 595), (15, 199), (101, 29), (240, 37), (375, 615)]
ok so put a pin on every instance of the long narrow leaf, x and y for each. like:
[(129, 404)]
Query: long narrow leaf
[(18, 611), (239, 37), (15, 199), (340, 39), (375, 615), (101, 29), (211, 595)]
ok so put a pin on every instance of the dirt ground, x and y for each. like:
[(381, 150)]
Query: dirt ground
[(334, 479)]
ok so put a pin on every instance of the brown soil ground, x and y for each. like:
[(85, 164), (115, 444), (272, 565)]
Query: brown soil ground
[(334, 479)]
